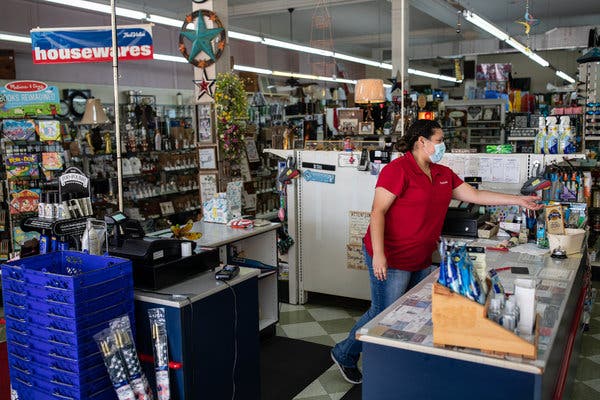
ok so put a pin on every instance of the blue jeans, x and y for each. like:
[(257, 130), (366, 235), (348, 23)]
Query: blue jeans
[(383, 294)]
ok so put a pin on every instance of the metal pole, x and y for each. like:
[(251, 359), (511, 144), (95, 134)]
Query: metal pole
[(115, 67), (402, 66)]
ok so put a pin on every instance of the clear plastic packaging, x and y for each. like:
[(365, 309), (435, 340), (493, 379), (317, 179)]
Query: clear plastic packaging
[(158, 327), (121, 330), (114, 364)]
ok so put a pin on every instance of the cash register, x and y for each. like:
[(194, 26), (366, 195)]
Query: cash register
[(463, 219), (157, 262)]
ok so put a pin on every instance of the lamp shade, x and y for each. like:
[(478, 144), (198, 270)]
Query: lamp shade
[(369, 91), (94, 114)]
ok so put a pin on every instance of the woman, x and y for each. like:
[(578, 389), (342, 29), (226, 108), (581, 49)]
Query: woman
[(412, 195)]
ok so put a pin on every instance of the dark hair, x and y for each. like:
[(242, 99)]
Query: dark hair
[(422, 127)]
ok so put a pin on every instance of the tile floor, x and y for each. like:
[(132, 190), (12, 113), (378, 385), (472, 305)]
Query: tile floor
[(328, 324)]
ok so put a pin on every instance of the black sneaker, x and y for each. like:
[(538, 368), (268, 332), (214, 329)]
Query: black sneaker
[(350, 374)]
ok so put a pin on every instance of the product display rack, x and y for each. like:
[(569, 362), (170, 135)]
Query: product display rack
[(28, 175), (160, 162), (483, 123)]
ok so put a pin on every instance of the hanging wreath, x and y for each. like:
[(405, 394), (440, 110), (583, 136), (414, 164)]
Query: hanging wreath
[(232, 111), (202, 38)]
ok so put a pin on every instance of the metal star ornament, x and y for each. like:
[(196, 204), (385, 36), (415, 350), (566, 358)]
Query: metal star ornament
[(205, 86), (211, 42), (396, 82)]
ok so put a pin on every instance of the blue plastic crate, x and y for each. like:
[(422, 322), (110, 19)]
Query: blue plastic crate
[(32, 388), (32, 393), (84, 349), (34, 332), (52, 374), (56, 322), (20, 354), (58, 295), (23, 301), (67, 270)]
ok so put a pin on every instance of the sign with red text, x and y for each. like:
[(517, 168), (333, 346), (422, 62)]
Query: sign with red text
[(79, 45)]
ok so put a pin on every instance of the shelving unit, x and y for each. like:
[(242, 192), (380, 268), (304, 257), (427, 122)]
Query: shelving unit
[(478, 131)]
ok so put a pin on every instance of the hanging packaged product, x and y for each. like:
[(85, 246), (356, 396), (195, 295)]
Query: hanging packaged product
[(114, 364), (121, 330), (18, 129), (161, 352), (49, 130), (94, 237), (555, 223)]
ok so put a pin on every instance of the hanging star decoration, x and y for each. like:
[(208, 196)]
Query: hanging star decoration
[(203, 39), (395, 81), (205, 86)]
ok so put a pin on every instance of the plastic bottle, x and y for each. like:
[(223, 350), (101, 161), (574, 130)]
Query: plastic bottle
[(44, 242), (540, 138), (551, 146), (541, 239), (566, 143)]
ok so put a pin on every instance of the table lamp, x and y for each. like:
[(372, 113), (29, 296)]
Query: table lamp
[(369, 91), (94, 115)]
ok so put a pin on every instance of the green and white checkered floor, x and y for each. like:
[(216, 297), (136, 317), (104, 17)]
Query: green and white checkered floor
[(328, 324)]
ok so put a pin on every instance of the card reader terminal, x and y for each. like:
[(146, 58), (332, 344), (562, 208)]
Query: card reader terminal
[(227, 273)]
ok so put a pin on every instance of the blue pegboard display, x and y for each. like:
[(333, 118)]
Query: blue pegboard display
[(54, 304)]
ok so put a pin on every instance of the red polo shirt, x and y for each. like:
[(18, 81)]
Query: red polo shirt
[(414, 221)]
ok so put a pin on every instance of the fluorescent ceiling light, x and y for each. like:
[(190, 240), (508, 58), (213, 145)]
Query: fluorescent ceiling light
[(485, 25), (432, 75), (166, 57), (297, 47), (14, 38), (565, 76), (159, 19), (538, 59), (244, 36), (500, 34), (253, 69)]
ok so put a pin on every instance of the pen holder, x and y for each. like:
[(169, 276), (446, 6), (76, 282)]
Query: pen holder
[(458, 321)]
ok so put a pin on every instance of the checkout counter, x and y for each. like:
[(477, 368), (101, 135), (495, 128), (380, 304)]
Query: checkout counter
[(213, 326), (400, 359)]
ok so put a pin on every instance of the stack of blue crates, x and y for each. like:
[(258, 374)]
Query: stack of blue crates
[(54, 304)]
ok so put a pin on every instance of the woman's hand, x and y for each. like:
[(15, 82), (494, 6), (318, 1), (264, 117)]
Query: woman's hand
[(529, 202), (380, 267)]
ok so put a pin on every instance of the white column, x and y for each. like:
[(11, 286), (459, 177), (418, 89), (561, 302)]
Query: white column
[(400, 45)]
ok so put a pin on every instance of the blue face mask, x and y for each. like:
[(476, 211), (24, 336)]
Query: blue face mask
[(440, 149)]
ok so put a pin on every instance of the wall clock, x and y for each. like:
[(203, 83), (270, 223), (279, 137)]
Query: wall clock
[(77, 100)]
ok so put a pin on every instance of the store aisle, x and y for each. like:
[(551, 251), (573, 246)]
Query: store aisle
[(329, 323)]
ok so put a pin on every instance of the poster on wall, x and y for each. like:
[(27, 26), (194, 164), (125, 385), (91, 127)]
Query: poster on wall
[(80, 45), (493, 72), (358, 222), (28, 98)]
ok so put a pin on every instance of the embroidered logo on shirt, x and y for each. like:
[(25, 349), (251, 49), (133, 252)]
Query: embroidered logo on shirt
[(443, 182)]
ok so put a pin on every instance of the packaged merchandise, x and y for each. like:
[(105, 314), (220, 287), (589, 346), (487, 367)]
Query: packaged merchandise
[(555, 220), (158, 327), (458, 274), (121, 331), (115, 364), (18, 129), (49, 130)]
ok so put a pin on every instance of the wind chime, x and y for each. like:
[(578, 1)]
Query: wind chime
[(528, 20)]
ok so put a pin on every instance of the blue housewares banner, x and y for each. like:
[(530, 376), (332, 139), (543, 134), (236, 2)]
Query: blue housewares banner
[(91, 44)]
